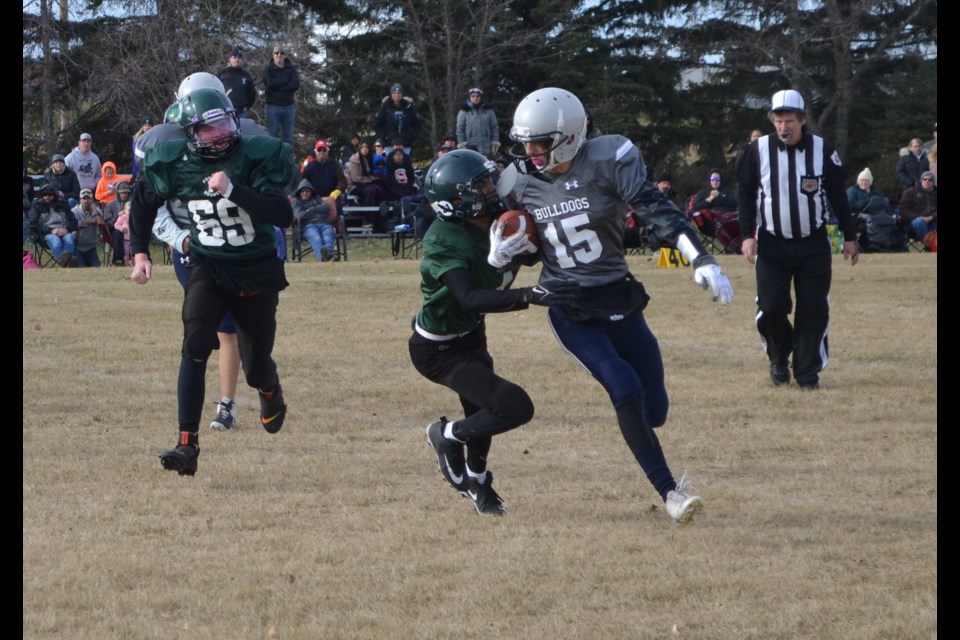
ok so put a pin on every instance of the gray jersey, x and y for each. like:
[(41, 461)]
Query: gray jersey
[(581, 215)]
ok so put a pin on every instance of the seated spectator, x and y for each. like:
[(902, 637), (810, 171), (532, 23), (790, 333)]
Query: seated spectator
[(714, 211), (326, 176), (63, 179), (107, 185), (110, 214), (665, 184), (89, 220), (402, 185), (349, 149), (28, 196), (361, 180), (873, 216), (52, 223), (316, 217), (918, 207)]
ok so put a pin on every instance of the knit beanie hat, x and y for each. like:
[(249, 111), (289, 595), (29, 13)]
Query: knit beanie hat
[(865, 175)]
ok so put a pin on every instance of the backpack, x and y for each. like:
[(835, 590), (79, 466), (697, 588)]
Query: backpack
[(29, 262)]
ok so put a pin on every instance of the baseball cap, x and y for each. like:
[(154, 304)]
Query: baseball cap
[(476, 90), (46, 189), (236, 53), (123, 186), (787, 100), (321, 144), (86, 136), (57, 157), (146, 120), (86, 192), (396, 87)]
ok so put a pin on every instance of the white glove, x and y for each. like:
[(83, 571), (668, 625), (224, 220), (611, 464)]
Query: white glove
[(503, 250), (711, 275)]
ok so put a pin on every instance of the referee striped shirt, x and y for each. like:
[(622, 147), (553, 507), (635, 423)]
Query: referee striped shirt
[(785, 190)]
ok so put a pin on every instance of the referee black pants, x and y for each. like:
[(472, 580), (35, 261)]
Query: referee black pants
[(806, 264)]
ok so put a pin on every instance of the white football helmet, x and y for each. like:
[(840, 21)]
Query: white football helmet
[(550, 115), (200, 80)]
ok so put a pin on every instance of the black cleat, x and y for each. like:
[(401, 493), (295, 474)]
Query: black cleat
[(272, 409), (485, 499), (450, 458), (809, 386), (779, 374), (182, 459)]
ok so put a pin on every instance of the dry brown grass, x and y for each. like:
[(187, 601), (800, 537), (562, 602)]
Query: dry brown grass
[(821, 509)]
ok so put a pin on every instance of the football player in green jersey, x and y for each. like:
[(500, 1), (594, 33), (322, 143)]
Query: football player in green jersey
[(233, 188), (449, 342)]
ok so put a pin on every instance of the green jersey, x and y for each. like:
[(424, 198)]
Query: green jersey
[(219, 228), (454, 244)]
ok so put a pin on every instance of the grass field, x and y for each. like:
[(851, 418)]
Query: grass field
[(820, 516)]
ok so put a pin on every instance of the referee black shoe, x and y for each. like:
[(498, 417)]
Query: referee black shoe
[(485, 499), (450, 458), (182, 459), (779, 374)]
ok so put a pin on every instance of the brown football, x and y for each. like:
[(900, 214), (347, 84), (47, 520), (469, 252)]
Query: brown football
[(519, 220)]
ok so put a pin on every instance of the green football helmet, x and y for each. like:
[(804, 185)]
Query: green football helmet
[(172, 114), (455, 185), (209, 122)]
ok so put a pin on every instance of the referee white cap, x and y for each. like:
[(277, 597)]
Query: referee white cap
[(787, 100)]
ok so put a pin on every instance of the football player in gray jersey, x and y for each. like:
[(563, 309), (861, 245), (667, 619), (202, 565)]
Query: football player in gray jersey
[(580, 191)]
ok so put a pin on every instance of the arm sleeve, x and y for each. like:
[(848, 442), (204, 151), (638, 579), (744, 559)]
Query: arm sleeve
[(748, 183), (474, 299), (700, 202), (144, 203), (461, 126), (835, 178), (167, 230)]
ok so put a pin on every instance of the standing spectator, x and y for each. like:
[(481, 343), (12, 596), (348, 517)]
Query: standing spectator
[(53, 223), (786, 181), (240, 183), (146, 123), (603, 327), (918, 207), (477, 126), (63, 179), (89, 220), (238, 84), (110, 215), (397, 118), (932, 141), (349, 149), (315, 218), (281, 81), (911, 164), (85, 163), (449, 342), (107, 186), (326, 176)]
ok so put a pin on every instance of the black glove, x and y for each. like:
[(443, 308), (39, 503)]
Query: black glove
[(559, 292)]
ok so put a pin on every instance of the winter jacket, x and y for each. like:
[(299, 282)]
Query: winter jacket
[(477, 127), (397, 121), (312, 210), (88, 227), (280, 84), (238, 83), (44, 217), (107, 187), (66, 183), (910, 168), (325, 177)]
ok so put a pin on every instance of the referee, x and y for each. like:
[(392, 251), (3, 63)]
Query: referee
[(789, 182)]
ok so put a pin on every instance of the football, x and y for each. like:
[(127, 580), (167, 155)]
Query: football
[(519, 220)]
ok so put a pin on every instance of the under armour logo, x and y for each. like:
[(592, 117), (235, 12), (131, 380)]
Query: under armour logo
[(571, 185)]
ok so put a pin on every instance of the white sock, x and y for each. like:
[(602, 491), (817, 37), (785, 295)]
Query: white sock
[(448, 432), (479, 477)]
